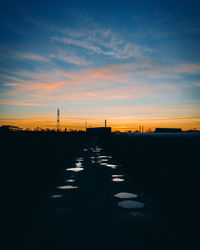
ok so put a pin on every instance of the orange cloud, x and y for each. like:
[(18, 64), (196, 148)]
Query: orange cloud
[(5, 102)]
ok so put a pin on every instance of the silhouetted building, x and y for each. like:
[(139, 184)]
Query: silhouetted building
[(168, 130), (6, 128), (99, 131)]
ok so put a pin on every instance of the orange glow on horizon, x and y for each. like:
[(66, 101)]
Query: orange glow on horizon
[(117, 125)]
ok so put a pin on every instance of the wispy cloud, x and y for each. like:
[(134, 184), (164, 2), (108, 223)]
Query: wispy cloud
[(70, 58), (102, 42), (31, 56), (30, 86), (132, 74), (15, 103)]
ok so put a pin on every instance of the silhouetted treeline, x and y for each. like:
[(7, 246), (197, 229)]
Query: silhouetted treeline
[(168, 168), (30, 162)]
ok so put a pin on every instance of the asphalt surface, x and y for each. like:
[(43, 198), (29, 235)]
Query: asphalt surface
[(95, 205)]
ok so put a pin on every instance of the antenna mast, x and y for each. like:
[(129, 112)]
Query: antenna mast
[(58, 120)]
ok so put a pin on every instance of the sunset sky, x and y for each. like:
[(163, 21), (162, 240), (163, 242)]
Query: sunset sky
[(130, 62)]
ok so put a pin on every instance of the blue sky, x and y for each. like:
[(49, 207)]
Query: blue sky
[(130, 62)]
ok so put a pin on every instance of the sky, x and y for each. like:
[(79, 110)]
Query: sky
[(130, 62)]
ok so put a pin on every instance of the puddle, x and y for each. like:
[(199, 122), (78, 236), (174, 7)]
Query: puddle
[(111, 166), (78, 164), (70, 180), (130, 204), (93, 161), (68, 187), (85, 149), (96, 150), (117, 179), (75, 169), (108, 165), (80, 159), (124, 195), (102, 156), (117, 175), (92, 157), (137, 215), (102, 160), (54, 196)]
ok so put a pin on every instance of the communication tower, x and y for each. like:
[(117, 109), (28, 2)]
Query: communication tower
[(58, 120)]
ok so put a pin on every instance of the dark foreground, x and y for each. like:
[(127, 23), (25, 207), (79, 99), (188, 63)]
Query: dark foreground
[(167, 167), (67, 192), (30, 164), (84, 210)]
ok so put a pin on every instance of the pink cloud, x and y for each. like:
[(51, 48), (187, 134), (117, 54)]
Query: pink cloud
[(5, 102)]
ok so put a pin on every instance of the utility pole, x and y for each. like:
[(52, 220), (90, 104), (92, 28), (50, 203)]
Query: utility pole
[(58, 120)]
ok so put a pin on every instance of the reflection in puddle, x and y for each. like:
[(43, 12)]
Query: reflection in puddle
[(117, 179), (124, 195), (75, 169), (117, 175), (130, 204), (102, 160), (93, 161), (92, 157), (108, 165), (80, 159), (68, 187), (102, 156), (85, 149), (70, 180), (54, 196), (137, 215), (78, 164), (96, 150)]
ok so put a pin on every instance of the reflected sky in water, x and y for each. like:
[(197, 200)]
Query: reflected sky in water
[(96, 150), (124, 195), (68, 187), (54, 196), (117, 175), (75, 169), (108, 165), (78, 164), (70, 180), (130, 204), (117, 179), (80, 159), (137, 214), (102, 156)]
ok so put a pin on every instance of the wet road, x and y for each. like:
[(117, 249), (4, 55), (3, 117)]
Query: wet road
[(95, 205)]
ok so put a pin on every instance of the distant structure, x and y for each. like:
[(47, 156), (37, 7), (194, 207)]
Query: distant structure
[(141, 128), (99, 130), (168, 130), (6, 128), (58, 120)]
